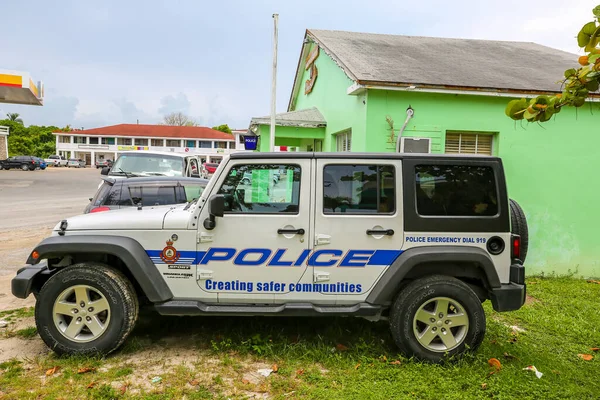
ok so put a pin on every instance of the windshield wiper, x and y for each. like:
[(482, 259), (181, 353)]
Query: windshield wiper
[(127, 174), (155, 173)]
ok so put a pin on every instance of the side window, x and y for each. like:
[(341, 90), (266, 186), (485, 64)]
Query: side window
[(262, 188), (100, 197), (359, 189), (152, 195), (456, 190), (113, 197), (192, 191)]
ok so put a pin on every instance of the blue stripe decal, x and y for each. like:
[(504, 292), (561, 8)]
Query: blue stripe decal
[(384, 257), (185, 257)]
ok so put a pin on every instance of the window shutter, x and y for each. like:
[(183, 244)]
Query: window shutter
[(469, 143)]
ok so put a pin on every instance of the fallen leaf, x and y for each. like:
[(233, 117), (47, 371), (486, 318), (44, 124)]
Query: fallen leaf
[(85, 370), (532, 283), (493, 341), (384, 358), (275, 368), (586, 357), (92, 384), (593, 281), (397, 362), (299, 372), (594, 348), (555, 372), (195, 382), (483, 386), (52, 371), (356, 366), (123, 389), (495, 363), (509, 356), (341, 347), (245, 381)]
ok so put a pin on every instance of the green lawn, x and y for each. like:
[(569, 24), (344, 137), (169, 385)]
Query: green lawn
[(336, 358)]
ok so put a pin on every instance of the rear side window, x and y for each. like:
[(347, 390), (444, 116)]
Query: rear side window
[(151, 195), (456, 190), (359, 189)]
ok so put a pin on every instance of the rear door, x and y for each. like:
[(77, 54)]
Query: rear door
[(358, 225)]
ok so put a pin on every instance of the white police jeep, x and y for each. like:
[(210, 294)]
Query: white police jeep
[(421, 240)]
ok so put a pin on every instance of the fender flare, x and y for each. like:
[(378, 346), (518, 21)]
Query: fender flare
[(129, 250), (386, 286)]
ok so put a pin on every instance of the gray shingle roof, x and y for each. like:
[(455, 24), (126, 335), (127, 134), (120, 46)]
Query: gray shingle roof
[(308, 118), (442, 62)]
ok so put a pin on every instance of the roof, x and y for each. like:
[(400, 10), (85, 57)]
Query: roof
[(158, 131), (359, 156), (369, 58), (157, 179), (307, 118), (19, 88)]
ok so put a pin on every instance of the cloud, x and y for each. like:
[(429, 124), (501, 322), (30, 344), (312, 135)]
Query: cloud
[(177, 103)]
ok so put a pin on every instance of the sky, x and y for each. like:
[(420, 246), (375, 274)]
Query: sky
[(121, 61)]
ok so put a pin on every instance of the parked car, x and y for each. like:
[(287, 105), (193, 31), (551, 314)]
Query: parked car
[(26, 163), (56, 161), (148, 191), (151, 163), (208, 169), (76, 162), (42, 162), (104, 163)]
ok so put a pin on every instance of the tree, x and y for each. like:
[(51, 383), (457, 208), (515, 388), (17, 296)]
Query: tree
[(32, 140), (15, 117), (576, 85), (222, 128), (178, 119)]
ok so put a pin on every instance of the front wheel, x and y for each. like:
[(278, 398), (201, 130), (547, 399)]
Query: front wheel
[(437, 317), (25, 167), (86, 309)]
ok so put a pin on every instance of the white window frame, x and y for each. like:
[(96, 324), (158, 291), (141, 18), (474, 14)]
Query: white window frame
[(417, 139), (344, 137)]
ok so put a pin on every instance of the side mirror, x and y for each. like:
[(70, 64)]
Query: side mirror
[(104, 170), (216, 208)]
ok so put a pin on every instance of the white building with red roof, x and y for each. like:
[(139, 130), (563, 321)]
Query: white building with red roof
[(107, 142)]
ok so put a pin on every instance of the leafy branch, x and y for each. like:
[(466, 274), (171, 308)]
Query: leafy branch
[(576, 85)]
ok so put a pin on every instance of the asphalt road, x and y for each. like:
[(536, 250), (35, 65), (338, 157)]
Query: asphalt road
[(40, 199)]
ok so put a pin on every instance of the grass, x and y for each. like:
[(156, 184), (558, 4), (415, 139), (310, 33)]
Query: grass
[(334, 358)]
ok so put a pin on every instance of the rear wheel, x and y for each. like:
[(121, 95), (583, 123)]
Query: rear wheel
[(437, 317), (25, 167), (87, 308)]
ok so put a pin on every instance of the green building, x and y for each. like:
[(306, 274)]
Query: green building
[(352, 92)]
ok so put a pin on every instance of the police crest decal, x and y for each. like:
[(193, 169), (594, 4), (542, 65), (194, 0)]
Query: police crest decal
[(169, 254)]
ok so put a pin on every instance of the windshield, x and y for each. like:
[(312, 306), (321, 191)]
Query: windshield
[(148, 165)]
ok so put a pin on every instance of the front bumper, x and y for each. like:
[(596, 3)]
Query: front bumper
[(23, 284), (511, 296)]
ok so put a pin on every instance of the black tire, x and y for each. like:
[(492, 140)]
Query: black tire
[(518, 225), (422, 292), (110, 283)]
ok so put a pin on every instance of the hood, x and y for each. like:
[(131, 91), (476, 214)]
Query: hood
[(148, 218)]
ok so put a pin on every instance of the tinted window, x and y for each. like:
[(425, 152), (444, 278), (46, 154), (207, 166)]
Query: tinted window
[(100, 197), (152, 195), (262, 188), (359, 189), (456, 190)]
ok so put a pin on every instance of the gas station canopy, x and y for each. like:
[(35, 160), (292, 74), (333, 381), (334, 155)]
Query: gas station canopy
[(18, 88)]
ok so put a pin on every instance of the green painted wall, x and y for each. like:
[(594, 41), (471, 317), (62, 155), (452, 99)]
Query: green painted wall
[(289, 136), (551, 168), (341, 112)]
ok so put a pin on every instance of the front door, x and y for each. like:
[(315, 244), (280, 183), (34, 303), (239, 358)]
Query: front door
[(358, 225), (259, 247)]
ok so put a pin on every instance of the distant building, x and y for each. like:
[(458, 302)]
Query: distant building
[(107, 142)]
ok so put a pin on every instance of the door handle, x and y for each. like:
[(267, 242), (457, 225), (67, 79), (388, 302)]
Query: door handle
[(299, 231), (386, 232)]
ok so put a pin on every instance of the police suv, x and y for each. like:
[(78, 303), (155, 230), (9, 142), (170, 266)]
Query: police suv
[(419, 240)]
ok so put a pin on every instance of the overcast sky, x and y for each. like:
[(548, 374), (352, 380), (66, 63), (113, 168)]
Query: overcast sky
[(117, 61)]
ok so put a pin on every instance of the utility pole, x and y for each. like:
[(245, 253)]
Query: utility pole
[(273, 85)]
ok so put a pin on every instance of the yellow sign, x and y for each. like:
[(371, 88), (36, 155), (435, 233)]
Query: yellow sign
[(128, 148)]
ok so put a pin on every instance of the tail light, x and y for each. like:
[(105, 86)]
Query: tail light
[(516, 246), (99, 209)]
